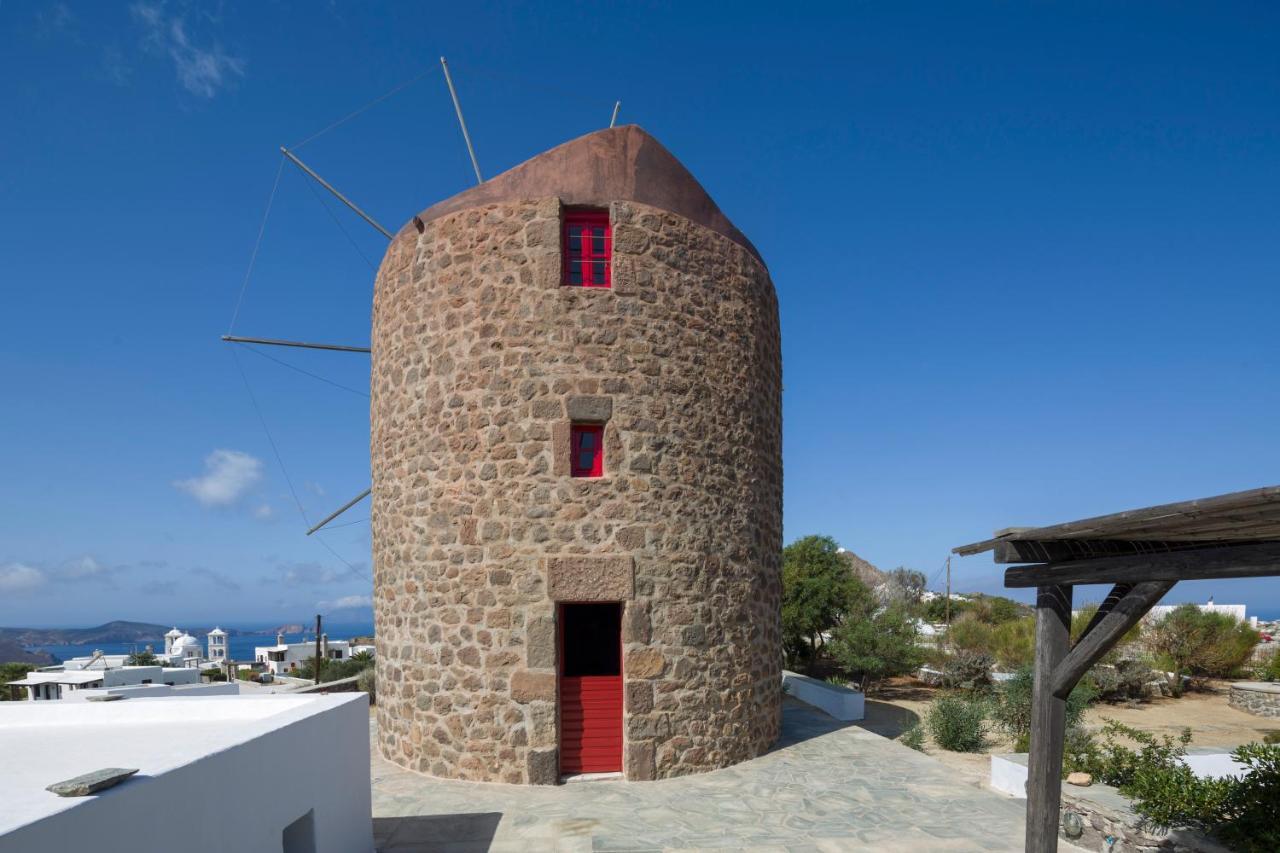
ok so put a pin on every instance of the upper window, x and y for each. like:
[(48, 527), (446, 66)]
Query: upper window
[(587, 446), (588, 243)]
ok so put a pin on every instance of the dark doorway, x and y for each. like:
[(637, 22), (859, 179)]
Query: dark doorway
[(590, 688)]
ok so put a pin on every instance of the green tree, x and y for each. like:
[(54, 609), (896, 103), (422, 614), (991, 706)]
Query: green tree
[(818, 589), (13, 672), (142, 658), (877, 644), (905, 585), (1198, 642)]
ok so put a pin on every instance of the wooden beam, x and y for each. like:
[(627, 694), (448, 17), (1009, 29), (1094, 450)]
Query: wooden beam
[(1063, 550), (1048, 719), (1261, 559), (1127, 608), (1117, 594)]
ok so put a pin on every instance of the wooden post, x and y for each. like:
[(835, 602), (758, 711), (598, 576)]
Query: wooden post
[(948, 603), (319, 662), (1048, 719)]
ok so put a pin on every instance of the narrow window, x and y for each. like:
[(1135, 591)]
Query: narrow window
[(587, 447), (588, 241)]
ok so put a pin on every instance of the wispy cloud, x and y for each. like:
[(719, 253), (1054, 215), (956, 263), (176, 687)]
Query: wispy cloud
[(229, 474), (217, 579), (19, 578), (312, 574), (346, 602), (264, 512), (115, 66), (202, 70), (84, 569)]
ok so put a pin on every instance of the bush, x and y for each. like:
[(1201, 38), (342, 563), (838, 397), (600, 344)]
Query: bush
[(970, 634), (13, 672), (957, 724), (368, 683), (913, 738), (1125, 680), (143, 658), (967, 670), (1269, 669), (214, 674), (877, 646), (1240, 811), (819, 590), (1011, 712), (1201, 643), (1014, 643)]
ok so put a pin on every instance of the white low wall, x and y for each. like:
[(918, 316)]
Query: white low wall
[(151, 691), (843, 703), (1009, 772), (217, 773)]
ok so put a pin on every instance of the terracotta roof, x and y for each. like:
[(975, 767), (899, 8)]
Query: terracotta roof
[(1252, 516), (616, 164)]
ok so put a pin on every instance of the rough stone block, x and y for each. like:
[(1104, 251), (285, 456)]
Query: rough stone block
[(636, 624), (639, 697), (541, 637), (529, 686), (640, 762), (544, 766), (91, 783), (561, 449), (589, 408), (590, 578), (644, 663)]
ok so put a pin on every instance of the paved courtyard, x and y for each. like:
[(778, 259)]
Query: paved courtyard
[(826, 786)]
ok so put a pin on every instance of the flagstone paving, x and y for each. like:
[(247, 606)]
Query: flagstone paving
[(826, 786)]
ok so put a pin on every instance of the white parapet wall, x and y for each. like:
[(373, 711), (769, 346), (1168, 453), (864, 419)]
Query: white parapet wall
[(843, 703), (251, 774), (151, 691), (1009, 772)]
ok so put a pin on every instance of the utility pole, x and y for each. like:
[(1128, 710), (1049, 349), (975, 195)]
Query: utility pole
[(948, 610), (318, 648)]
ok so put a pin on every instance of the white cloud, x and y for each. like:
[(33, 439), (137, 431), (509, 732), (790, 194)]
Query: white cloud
[(266, 512), (17, 578), (313, 574), (346, 602), (87, 569), (229, 474), (315, 488), (201, 70)]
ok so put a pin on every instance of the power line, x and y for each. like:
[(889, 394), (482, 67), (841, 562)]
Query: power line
[(253, 257), (341, 227), (414, 79)]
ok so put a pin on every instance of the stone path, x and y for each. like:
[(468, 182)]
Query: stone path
[(826, 786)]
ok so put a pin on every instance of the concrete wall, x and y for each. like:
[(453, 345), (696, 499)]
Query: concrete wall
[(152, 691), (481, 359), (842, 703), (253, 771)]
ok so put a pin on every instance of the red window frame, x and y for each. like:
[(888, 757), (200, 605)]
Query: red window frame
[(586, 461), (587, 249)]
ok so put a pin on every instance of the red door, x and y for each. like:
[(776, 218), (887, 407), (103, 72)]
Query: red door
[(590, 688)]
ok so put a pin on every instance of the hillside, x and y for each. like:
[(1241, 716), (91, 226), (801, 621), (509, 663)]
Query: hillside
[(11, 652), (118, 631)]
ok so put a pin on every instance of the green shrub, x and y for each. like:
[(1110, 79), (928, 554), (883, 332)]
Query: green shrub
[(1202, 643), (214, 674), (1011, 710), (143, 658), (819, 591), (1122, 681), (878, 645), (13, 672), (969, 634), (967, 670), (913, 738), (1013, 643), (957, 724), (368, 683), (1269, 669)]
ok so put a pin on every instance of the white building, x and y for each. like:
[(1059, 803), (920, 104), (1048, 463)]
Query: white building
[(52, 683), (1235, 611), (217, 646), (241, 773), (283, 658), (182, 649)]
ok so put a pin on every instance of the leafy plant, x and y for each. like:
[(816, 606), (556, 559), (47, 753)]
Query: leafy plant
[(878, 645), (214, 674), (904, 586), (970, 634), (913, 738), (13, 672), (143, 658), (1013, 643), (368, 683), (1122, 681), (818, 590), (1202, 643), (957, 724), (1011, 710), (1269, 669), (967, 670)]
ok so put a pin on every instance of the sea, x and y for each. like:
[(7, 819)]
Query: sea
[(239, 647)]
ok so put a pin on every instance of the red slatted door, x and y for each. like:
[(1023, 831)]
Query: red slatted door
[(591, 724)]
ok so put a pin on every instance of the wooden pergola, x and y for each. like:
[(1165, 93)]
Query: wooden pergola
[(1143, 553)]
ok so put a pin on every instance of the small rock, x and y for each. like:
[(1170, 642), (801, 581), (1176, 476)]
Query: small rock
[(91, 783), (1082, 779)]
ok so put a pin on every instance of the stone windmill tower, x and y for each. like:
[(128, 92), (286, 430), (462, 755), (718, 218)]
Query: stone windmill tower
[(577, 476)]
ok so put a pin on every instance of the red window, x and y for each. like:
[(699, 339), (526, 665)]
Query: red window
[(588, 243), (587, 447)]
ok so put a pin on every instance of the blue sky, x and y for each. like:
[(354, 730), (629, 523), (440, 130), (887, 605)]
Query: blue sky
[(1025, 255)]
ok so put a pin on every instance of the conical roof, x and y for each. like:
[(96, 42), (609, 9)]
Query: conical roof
[(616, 164)]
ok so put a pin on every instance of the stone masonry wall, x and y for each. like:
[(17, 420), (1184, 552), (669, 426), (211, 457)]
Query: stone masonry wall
[(480, 359)]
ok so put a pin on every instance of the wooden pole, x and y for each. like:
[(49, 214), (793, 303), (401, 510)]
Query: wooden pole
[(457, 107), (317, 648), (1048, 719), (342, 198), (948, 610)]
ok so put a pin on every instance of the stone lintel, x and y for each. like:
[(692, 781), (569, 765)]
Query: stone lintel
[(591, 578), (589, 408)]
